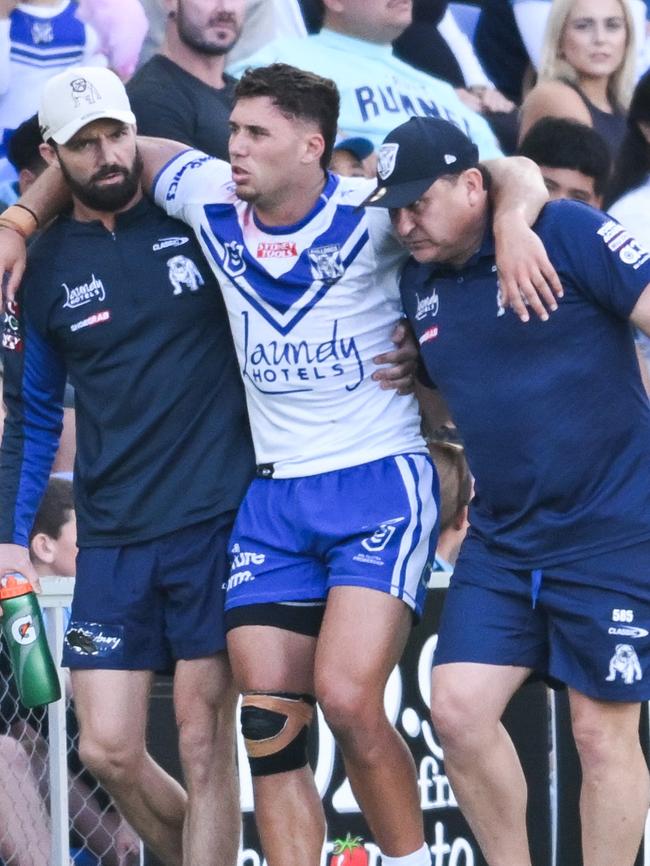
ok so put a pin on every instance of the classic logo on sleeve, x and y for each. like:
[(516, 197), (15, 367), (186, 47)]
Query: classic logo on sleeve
[(11, 339), (620, 241)]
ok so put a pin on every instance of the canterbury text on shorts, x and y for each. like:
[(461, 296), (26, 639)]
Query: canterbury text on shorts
[(144, 605), (372, 525), (584, 623)]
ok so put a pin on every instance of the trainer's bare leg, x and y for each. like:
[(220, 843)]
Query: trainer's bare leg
[(467, 702), (269, 659), (615, 792), (112, 708), (361, 640), (205, 699)]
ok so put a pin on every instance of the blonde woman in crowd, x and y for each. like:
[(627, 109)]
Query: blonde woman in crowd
[(587, 67)]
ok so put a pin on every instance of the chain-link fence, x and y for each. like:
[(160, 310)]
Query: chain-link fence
[(35, 778)]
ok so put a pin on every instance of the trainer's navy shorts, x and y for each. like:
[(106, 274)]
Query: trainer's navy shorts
[(373, 525), (142, 606), (584, 623)]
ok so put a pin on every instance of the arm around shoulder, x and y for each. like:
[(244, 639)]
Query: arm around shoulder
[(517, 188), (526, 276), (44, 200), (156, 153)]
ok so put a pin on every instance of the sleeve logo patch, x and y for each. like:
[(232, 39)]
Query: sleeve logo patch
[(11, 337), (620, 241)]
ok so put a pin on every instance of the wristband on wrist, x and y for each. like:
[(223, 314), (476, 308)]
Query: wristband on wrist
[(14, 227), (29, 211), (21, 218)]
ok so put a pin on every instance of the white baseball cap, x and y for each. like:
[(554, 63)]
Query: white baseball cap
[(78, 96)]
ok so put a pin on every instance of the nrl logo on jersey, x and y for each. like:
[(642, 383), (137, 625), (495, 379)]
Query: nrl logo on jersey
[(326, 264), (84, 294), (233, 262)]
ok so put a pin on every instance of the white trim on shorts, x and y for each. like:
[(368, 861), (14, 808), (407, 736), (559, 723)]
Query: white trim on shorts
[(418, 481)]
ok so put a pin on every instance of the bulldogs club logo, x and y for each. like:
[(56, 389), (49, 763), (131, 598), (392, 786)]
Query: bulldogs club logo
[(82, 91), (326, 264), (626, 663), (386, 157), (183, 273)]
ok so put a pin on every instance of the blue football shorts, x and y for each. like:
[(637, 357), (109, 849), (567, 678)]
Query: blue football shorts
[(585, 623), (373, 525), (142, 606)]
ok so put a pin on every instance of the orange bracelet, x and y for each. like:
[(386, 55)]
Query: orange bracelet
[(6, 223), (21, 217)]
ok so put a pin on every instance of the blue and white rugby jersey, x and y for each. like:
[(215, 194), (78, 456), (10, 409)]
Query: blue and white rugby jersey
[(310, 305), (36, 42)]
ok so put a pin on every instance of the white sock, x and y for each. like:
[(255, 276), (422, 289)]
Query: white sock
[(421, 857)]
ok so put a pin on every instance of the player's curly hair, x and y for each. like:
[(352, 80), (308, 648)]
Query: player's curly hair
[(296, 93)]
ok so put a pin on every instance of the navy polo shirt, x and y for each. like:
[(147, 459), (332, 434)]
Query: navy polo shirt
[(553, 414), (136, 319)]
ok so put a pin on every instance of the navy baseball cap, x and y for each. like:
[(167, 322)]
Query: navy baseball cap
[(359, 147), (415, 155)]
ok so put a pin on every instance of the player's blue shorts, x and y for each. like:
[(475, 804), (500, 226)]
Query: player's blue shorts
[(142, 606), (595, 638), (372, 525)]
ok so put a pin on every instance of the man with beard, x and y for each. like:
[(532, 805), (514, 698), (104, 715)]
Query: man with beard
[(183, 93), (118, 295)]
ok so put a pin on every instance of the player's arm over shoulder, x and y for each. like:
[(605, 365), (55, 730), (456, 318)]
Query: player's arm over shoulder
[(156, 153), (177, 176)]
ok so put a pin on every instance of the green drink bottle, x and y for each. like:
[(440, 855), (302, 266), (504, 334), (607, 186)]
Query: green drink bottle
[(22, 624)]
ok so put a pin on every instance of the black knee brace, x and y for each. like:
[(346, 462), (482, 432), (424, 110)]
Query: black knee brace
[(275, 728)]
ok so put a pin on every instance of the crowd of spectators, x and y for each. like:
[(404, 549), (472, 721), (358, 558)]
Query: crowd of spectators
[(494, 68), (563, 82)]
